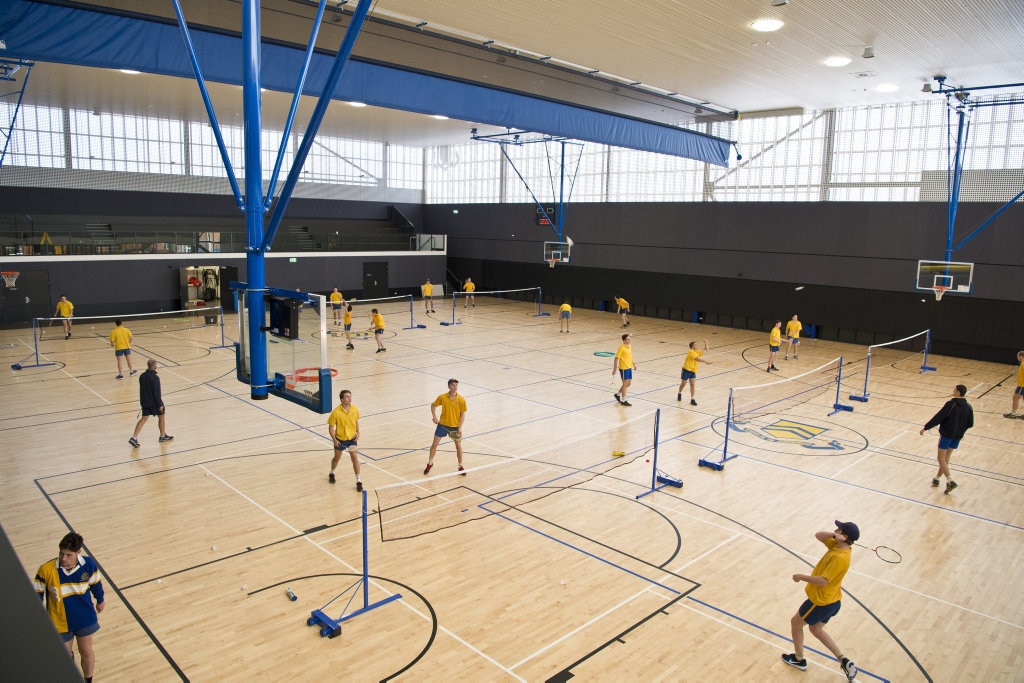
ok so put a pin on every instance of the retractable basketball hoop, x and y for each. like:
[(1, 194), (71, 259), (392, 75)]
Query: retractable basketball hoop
[(939, 291), (10, 278)]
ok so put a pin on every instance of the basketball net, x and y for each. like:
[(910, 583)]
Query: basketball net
[(551, 262), (939, 291), (10, 277)]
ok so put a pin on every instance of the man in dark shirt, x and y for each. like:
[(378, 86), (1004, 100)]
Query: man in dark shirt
[(152, 403), (953, 420)]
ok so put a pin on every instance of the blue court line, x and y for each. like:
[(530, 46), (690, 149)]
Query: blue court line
[(884, 493), (591, 555), (827, 655)]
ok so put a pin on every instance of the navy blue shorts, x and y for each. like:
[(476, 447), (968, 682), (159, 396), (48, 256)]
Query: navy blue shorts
[(818, 614), (80, 632), (122, 352), (565, 315), (773, 349), (945, 443), (626, 374), (1019, 390), (687, 374), (344, 445), (442, 430), (376, 331)]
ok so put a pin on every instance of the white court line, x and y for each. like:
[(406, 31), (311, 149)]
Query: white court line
[(867, 454), (581, 627), (376, 584), (83, 384)]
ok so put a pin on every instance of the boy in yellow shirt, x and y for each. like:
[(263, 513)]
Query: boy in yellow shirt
[(121, 340)]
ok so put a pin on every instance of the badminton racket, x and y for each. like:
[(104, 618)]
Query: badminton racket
[(884, 553), (455, 434)]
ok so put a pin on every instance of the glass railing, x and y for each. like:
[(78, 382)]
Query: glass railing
[(77, 244)]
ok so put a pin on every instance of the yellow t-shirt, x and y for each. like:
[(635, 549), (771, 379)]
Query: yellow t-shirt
[(451, 409), (336, 298), (378, 321), (625, 356), (1020, 375), (793, 328), (346, 424), (833, 565), (428, 289), (469, 287), (121, 337), (565, 308), (691, 360), (348, 317), (775, 338), (622, 303), (65, 309)]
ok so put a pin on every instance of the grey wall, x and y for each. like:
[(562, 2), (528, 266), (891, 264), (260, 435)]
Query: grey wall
[(739, 264)]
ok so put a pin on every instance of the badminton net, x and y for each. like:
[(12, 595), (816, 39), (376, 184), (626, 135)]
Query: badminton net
[(498, 300), (424, 506), (908, 352)]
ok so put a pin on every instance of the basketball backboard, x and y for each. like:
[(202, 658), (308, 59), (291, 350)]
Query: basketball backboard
[(559, 252), (955, 277), (295, 333)]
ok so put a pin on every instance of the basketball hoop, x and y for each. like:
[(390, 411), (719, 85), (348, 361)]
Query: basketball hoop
[(11, 276), (552, 262), (939, 291)]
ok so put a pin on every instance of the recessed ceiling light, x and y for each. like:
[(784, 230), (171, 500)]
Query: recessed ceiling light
[(440, 117), (887, 87), (767, 25), (357, 104), (836, 61), (130, 72)]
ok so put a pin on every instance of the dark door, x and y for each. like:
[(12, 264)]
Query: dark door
[(375, 279), (28, 298)]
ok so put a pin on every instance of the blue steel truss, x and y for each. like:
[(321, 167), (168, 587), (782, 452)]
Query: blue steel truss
[(8, 69)]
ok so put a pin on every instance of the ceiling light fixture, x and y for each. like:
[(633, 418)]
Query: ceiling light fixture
[(836, 60), (927, 87), (887, 87), (767, 25), (130, 72), (440, 117), (357, 104), (869, 52)]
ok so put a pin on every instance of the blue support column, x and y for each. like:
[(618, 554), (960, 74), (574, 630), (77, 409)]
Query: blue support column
[(254, 207)]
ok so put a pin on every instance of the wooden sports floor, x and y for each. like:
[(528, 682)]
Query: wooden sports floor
[(564, 576)]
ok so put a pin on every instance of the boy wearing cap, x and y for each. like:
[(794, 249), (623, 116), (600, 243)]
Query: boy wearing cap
[(824, 593)]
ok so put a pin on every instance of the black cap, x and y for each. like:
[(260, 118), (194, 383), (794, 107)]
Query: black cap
[(850, 530)]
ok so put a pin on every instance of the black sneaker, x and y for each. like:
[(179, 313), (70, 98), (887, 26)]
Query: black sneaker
[(785, 358), (378, 350), (134, 442), (164, 438), (618, 398), (693, 402), (627, 404), (795, 357), (349, 346), (775, 368), (359, 487), (793, 661), (330, 477), (935, 483), (949, 487), (848, 668), (679, 397)]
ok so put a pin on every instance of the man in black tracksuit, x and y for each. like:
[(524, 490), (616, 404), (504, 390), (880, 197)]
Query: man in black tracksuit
[(953, 420), (152, 403)]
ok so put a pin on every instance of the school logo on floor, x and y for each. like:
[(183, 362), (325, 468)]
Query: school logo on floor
[(790, 431)]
